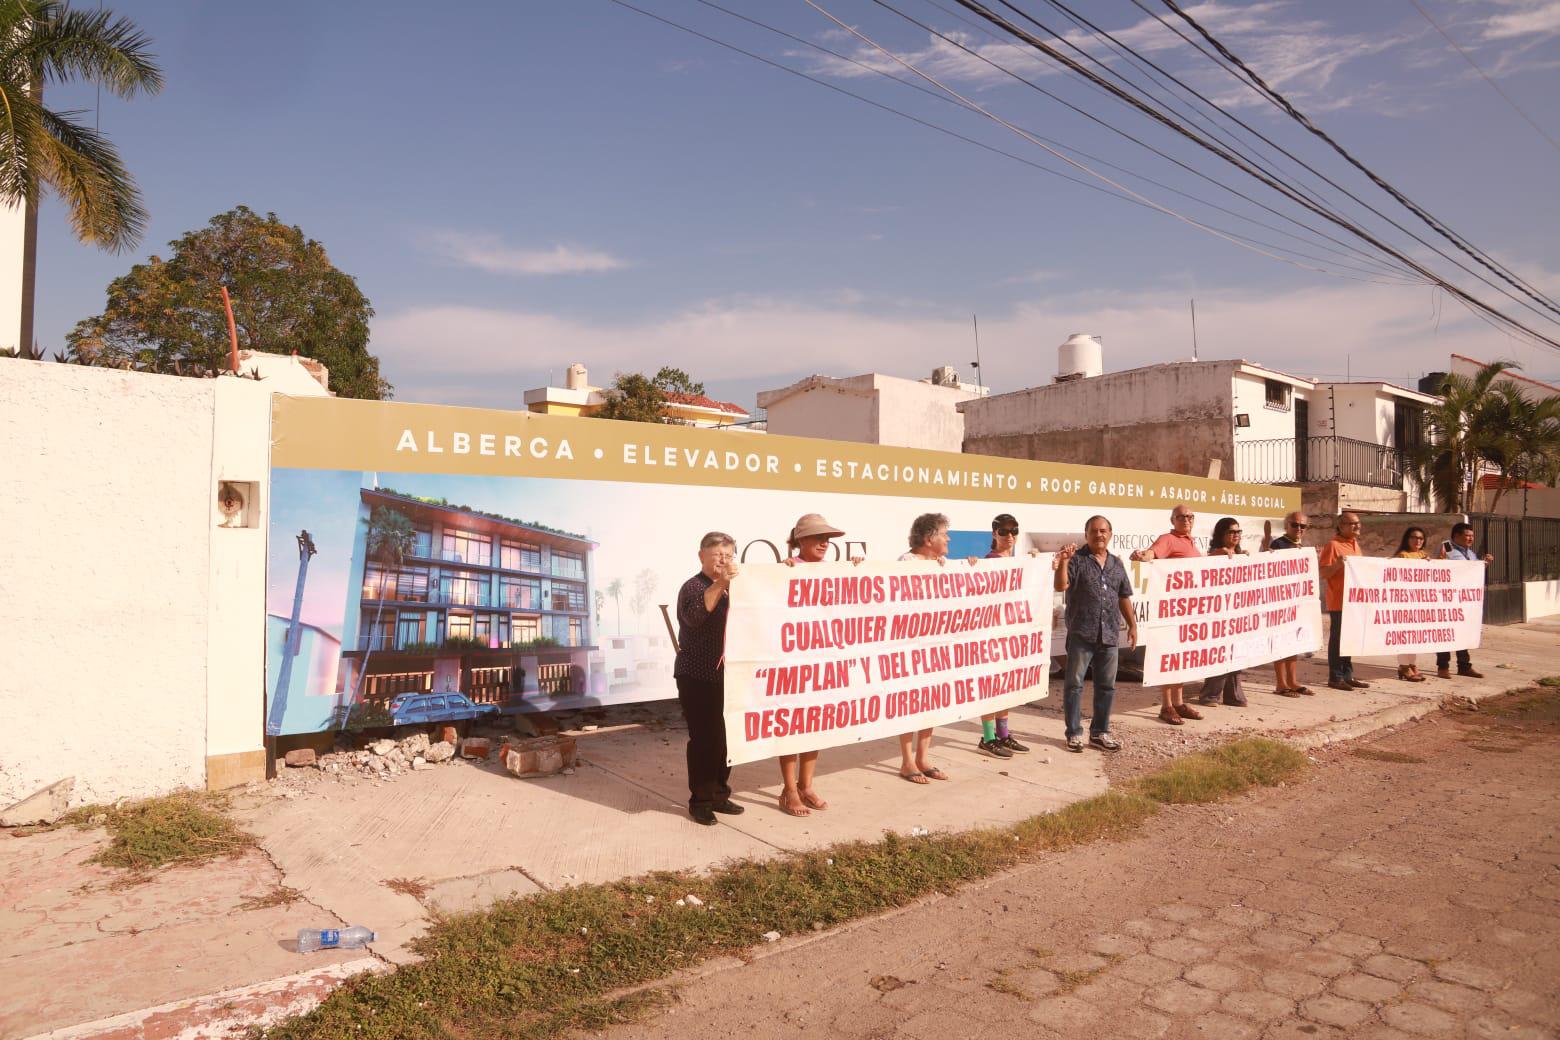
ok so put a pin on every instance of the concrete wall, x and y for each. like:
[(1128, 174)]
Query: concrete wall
[(836, 409), (869, 409), (1540, 599), (1180, 417), (13, 247), (134, 651), (913, 414), (1520, 502)]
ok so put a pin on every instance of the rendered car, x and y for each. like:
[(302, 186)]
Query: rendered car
[(410, 708)]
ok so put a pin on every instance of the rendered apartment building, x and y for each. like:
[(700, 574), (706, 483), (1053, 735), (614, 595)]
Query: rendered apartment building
[(495, 608)]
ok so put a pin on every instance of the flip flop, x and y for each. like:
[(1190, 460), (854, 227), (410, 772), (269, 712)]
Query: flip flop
[(1288, 692), (915, 778), (934, 773), (803, 811), (1305, 691), (814, 802)]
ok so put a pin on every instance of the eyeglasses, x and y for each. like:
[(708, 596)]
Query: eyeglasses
[(1297, 526), (1011, 532), (1233, 530), (1183, 516)]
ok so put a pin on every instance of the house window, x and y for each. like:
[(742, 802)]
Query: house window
[(410, 629), (459, 626), (408, 584), (1276, 395), (620, 673), (567, 597), (465, 547), (492, 630), (424, 542), (520, 556), (567, 564), (1408, 426), (464, 587), (576, 631), (525, 593), (378, 626), (527, 628)]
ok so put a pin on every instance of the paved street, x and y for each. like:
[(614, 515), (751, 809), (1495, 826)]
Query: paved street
[(1409, 887)]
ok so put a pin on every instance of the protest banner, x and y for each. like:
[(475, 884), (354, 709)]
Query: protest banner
[(1211, 615), (1395, 606), (531, 562), (819, 655)]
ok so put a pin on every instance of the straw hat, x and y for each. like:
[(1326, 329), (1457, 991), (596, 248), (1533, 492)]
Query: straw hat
[(811, 525)]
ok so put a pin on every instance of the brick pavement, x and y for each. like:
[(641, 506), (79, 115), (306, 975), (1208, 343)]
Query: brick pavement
[(1376, 899)]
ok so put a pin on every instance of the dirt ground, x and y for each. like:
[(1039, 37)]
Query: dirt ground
[(1410, 886)]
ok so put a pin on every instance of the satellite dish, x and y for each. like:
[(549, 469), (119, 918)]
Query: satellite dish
[(230, 502)]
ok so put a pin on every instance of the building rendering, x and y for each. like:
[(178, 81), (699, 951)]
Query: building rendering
[(495, 608)]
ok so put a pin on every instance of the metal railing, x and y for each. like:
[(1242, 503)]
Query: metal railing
[(1297, 460)]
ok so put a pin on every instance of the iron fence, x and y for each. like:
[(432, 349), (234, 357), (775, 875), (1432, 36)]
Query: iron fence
[(1297, 460)]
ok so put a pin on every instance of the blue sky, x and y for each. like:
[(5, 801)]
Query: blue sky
[(520, 186)]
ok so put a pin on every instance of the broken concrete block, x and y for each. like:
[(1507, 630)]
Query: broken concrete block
[(45, 806), (382, 747), (536, 724), (420, 763), (448, 735), (415, 744), (542, 756), (476, 747), (300, 757), (443, 751)]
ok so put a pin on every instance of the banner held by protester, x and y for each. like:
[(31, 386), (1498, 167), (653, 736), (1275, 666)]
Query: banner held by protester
[(1398, 606), (1211, 615), (835, 654)]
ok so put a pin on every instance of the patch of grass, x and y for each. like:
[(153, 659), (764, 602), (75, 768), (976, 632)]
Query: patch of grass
[(1000, 983), (185, 827), (414, 887), (1378, 755), (1550, 680), (536, 967), (280, 895), (1071, 980), (1223, 771)]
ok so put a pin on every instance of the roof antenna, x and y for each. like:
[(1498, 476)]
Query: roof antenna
[(1194, 328), (976, 363)]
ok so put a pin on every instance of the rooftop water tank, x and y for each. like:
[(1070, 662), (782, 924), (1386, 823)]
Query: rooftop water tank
[(1082, 356), (578, 378)]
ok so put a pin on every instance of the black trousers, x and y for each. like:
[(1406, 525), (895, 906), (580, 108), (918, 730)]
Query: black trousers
[(703, 703), (1444, 659)]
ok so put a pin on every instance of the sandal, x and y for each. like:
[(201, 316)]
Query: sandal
[(1305, 691), (1186, 711), (1169, 715), (1288, 692), (800, 810), (915, 778), (934, 773), (812, 801)]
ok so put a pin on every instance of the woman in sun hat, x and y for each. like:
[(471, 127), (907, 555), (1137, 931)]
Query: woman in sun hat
[(808, 542)]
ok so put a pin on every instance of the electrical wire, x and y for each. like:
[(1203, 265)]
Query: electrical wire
[(1294, 113), (1482, 75)]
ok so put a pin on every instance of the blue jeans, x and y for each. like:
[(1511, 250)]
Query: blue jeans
[(1081, 653), (1339, 668)]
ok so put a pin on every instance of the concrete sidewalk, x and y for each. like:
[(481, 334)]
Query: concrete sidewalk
[(207, 951)]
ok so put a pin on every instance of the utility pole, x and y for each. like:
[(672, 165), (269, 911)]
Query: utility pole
[(1194, 328), (976, 363), (273, 725)]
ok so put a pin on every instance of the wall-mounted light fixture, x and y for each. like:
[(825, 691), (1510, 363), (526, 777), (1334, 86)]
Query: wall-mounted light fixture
[(1242, 420)]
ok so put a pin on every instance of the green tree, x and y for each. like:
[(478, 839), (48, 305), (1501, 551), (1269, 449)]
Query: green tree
[(1522, 438), (44, 42), (167, 315), (1461, 431), (391, 539), (636, 397), (615, 590)]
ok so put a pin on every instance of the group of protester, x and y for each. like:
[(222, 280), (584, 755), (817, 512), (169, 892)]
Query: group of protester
[(1098, 609)]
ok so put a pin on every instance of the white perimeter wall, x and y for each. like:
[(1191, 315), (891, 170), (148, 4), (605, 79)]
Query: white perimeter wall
[(134, 626), (13, 247), (1540, 599)]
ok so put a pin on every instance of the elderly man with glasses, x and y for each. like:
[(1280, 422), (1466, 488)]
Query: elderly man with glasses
[(1174, 544), (1287, 684), (1345, 543)]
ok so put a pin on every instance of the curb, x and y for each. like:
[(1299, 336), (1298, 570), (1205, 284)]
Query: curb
[(230, 1012)]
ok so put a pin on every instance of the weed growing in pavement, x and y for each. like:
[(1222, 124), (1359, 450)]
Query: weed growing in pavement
[(1378, 755), (280, 895), (1550, 680), (414, 887), (185, 827), (539, 966)]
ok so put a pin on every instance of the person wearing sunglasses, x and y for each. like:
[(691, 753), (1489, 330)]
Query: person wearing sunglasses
[(1174, 545), (1411, 547), (1345, 543), (1286, 683), (995, 738)]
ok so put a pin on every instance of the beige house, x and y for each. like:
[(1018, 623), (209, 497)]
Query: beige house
[(873, 408)]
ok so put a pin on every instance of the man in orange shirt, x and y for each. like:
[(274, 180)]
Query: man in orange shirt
[(1175, 544), (1345, 543)]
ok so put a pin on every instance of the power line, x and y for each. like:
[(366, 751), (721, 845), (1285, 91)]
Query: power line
[(1461, 294), (1493, 85), (1294, 113)]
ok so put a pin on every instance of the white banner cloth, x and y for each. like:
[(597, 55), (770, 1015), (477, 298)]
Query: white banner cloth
[(1215, 614), (1411, 606), (824, 654)]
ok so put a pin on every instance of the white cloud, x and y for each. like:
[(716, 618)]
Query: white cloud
[(489, 253), (1528, 19), (490, 356)]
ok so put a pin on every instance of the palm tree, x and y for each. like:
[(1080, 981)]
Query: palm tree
[(391, 539), (615, 590), (1524, 438), (1460, 432), (43, 42)]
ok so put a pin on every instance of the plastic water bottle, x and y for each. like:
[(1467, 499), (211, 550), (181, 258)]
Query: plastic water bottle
[(311, 939)]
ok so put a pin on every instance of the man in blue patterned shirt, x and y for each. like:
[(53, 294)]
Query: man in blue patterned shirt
[(1097, 590)]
